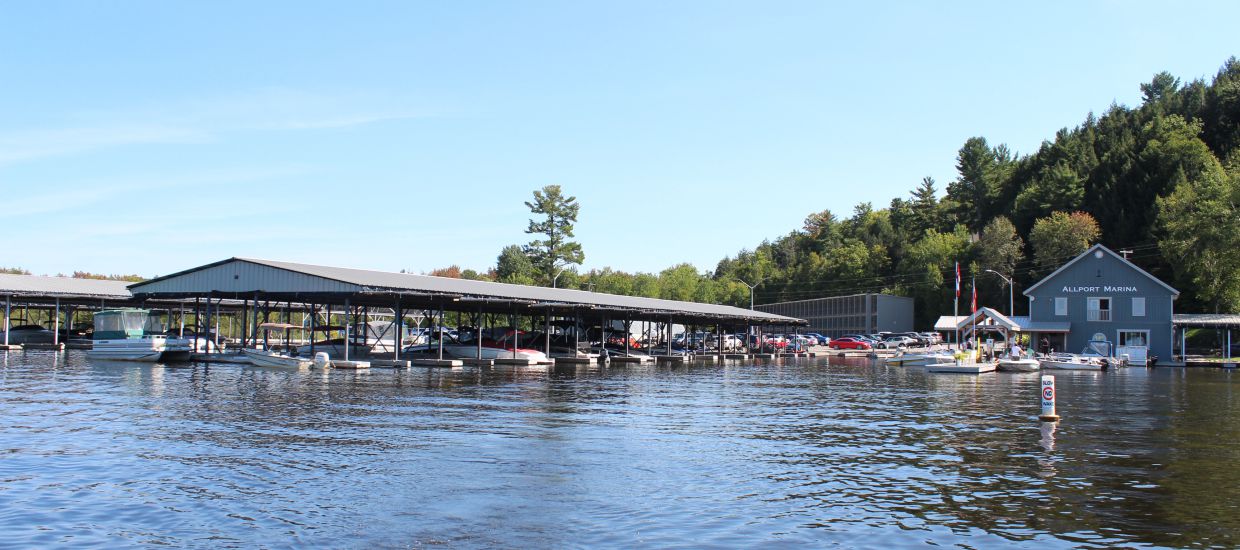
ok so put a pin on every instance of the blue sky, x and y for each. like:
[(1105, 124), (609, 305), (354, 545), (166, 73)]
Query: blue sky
[(149, 137)]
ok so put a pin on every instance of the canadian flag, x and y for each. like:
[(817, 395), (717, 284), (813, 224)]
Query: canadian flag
[(974, 296)]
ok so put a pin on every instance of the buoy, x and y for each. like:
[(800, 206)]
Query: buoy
[(321, 360), (1048, 399)]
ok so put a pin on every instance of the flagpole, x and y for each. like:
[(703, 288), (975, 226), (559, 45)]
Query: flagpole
[(956, 306)]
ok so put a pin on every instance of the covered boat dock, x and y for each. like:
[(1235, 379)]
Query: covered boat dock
[(254, 285), (57, 297)]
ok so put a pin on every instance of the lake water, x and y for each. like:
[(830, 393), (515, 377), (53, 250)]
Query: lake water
[(800, 453)]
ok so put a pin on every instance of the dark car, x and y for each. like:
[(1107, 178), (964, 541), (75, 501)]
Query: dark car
[(849, 343)]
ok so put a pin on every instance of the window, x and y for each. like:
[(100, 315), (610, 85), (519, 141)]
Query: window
[(1138, 307), (1061, 306), (1134, 338), (1099, 309)]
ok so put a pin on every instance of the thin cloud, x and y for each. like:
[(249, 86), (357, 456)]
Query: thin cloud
[(202, 121)]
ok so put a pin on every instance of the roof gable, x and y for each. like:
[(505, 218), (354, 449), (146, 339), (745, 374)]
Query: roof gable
[(1099, 248)]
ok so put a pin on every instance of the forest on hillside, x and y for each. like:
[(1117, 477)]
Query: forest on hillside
[(1161, 180)]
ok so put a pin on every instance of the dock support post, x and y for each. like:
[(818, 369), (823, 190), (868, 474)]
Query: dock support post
[(8, 311), (216, 318), (576, 332), (314, 322), (512, 320), (197, 322), (56, 324), (346, 329), (441, 334), (399, 337), (628, 326), (669, 335), (547, 333), (478, 336)]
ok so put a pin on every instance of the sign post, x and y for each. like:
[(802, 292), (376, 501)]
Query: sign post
[(1048, 399)]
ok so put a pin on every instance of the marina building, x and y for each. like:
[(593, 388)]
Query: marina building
[(836, 316), (1098, 301)]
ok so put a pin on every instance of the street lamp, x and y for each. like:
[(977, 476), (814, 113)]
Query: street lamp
[(1011, 301), (751, 287)]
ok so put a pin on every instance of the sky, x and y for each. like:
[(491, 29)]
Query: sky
[(151, 137)]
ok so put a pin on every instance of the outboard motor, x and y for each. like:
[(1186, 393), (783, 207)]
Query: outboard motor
[(322, 360), (605, 356)]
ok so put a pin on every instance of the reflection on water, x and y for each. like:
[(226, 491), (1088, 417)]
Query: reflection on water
[(801, 453)]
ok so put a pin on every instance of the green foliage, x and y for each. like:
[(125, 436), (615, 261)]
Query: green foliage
[(1061, 237), (13, 271), (513, 266), (999, 247), (555, 252), (1199, 222), (113, 277), (1132, 177)]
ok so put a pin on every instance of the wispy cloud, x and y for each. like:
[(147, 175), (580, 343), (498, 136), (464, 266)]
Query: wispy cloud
[(78, 195), (202, 120)]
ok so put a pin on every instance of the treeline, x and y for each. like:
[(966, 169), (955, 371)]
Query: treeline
[(1161, 180), (79, 275)]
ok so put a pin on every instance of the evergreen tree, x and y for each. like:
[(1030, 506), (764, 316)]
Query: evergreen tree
[(555, 252)]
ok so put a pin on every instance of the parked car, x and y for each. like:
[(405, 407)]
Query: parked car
[(849, 343), (933, 337), (896, 342), (917, 337), (822, 340)]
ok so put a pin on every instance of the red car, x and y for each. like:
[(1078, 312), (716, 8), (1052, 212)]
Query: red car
[(848, 343)]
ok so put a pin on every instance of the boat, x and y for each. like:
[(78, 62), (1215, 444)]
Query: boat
[(457, 349), (28, 334), (269, 358), (120, 335), (920, 359), (961, 368), (272, 358), (1019, 364), (1068, 361)]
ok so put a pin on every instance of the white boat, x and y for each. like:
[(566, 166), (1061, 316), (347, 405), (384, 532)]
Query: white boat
[(1073, 362), (920, 359), (1012, 364), (120, 336), (466, 351), (268, 358), (961, 368)]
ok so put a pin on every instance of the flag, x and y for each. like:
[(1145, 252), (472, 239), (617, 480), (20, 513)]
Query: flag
[(974, 295), (957, 279)]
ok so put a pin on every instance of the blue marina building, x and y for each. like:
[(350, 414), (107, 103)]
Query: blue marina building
[(1097, 302), (1105, 298)]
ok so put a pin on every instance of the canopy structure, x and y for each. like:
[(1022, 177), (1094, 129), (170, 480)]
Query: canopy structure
[(246, 278), (1229, 321), (949, 323), (40, 289)]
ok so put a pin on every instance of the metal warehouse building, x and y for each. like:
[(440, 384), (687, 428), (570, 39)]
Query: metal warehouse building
[(836, 316)]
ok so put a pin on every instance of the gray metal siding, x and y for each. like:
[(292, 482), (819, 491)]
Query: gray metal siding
[(244, 278), (895, 314), (835, 316), (1106, 277)]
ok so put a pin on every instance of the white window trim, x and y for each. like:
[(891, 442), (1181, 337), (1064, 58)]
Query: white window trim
[(1064, 301), (1122, 330), (1110, 309), (1143, 302)]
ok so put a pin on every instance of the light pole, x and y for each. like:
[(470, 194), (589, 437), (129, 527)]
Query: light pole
[(1011, 301), (751, 287), (557, 276)]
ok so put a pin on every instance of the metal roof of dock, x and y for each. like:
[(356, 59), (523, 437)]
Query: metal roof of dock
[(66, 288), (1207, 320), (241, 278)]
